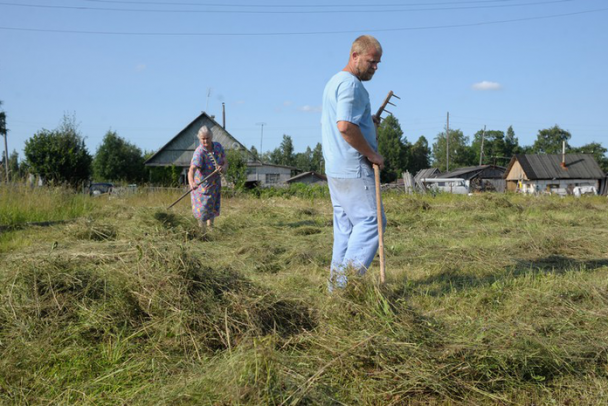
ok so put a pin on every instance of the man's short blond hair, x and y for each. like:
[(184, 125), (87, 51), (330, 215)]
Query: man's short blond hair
[(364, 44)]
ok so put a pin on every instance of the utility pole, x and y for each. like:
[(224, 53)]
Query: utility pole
[(4, 134), (261, 137), (447, 144), (483, 135)]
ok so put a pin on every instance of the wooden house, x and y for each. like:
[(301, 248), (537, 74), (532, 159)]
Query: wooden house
[(553, 173), (265, 174), (179, 150)]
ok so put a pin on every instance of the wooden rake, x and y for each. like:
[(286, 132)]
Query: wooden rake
[(217, 170), (381, 110)]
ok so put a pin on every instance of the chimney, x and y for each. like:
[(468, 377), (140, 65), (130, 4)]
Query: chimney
[(223, 116), (563, 164)]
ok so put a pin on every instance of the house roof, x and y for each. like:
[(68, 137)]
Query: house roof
[(305, 174), (548, 166), (426, 173), (469, 172), (178, 151), (259, 163)]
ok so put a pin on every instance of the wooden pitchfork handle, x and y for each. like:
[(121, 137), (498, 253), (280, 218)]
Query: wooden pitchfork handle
[(378, 196), (380, 230), (190, 191), (217, 169)]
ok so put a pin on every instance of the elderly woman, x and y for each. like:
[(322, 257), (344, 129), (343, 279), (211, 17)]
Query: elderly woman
[(207, 157)]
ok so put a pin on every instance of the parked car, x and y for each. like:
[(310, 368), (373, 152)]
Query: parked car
[(97, 189)]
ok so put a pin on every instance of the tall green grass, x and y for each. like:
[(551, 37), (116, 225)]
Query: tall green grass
[(490, 299), (20, 204)]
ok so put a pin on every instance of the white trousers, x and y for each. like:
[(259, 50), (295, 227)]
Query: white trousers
[(355, 225)]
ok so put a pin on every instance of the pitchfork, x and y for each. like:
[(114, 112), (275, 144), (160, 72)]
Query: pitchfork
[(378, 198)]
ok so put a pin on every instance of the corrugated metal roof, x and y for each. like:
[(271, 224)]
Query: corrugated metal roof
[(469, 172), (426, 173), (548, 166), (305, 174)]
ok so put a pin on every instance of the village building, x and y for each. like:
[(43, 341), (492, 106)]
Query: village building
[(179, 150), (553, 173), (264, 174), (309, 178), (481, 178)]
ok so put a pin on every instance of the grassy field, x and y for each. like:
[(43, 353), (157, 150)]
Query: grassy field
[(490, 299)]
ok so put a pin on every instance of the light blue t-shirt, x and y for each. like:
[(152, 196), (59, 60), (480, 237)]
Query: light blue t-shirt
[(345, 99)]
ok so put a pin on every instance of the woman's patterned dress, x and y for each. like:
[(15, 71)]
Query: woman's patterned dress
[(206, 198)]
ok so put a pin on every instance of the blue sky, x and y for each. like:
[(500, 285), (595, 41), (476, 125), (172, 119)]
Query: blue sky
[(146, 69)]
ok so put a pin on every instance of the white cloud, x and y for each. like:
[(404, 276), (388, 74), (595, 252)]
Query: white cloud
[(487, 86), (287, 103), (310, 109), (140, 67)]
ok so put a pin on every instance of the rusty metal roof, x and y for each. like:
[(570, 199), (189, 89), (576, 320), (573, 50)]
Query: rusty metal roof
[(548, 166)]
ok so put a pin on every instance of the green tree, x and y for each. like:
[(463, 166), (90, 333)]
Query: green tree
[(283, 155), (316, 160), (597, 150), (303, 160), (237, 168), (511, 145), (118, 160), (393, 147), (550, 140), (494, 147), (59, 156), (287, 155), (420, 156), (460, 153), (14, 169), (254, 153)]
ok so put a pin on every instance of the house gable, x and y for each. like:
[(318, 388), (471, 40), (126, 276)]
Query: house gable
[(179, 150)]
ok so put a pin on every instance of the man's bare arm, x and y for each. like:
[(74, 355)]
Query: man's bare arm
[(353, 136)]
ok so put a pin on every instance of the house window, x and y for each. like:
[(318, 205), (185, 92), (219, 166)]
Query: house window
[(272, 178)]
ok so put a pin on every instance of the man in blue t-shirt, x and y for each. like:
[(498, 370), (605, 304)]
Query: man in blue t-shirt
[(349, 149)]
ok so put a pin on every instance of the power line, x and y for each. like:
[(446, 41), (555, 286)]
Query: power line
[(291, 5), (342, 11), (268, 34)]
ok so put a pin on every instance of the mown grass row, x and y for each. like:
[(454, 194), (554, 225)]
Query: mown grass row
[(490, 299)]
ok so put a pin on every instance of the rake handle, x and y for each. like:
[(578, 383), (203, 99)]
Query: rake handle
[(190, 191), (379, 197), (380, 230)]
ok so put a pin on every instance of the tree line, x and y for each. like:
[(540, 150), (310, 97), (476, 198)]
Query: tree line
[(487, 147), (60, 156), (455, 151)]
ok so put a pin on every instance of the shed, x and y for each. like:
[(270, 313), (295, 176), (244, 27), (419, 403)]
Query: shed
[(553, 173), (481, 178), (265, 174), (309, 178)]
